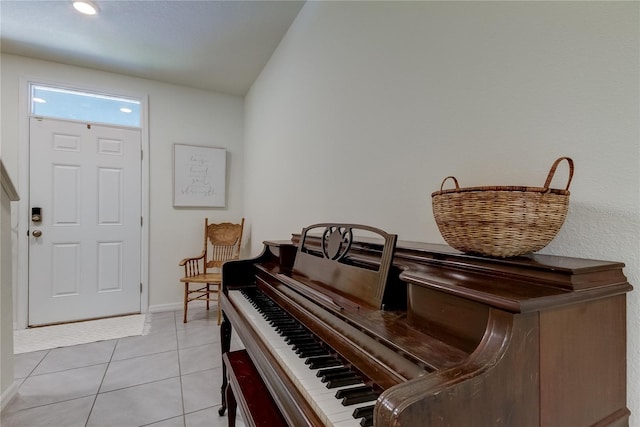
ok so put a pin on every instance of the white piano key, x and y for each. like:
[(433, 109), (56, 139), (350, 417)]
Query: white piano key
[(349, 423)]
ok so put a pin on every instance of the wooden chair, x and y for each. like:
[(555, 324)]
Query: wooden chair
[(221, 243)]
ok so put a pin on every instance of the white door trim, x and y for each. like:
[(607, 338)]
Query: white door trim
[(21, 246)]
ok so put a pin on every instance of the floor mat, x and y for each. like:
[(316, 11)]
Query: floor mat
[(46, 337)]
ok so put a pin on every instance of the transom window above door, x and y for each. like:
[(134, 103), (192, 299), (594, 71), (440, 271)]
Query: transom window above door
[(61, 103)]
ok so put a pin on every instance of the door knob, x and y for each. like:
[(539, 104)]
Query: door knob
[(36, 233)]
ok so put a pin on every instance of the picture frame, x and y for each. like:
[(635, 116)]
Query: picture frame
[(199, 176)]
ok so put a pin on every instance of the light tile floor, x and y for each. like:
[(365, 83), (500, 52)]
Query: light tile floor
[(168, 378)]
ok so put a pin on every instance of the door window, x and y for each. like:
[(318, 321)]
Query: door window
[(61, 103)]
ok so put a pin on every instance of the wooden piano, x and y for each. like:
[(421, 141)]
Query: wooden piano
[(347, 327)]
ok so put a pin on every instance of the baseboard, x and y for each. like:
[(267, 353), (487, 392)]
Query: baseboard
[(176, 306), (158, 308), (9, 394)]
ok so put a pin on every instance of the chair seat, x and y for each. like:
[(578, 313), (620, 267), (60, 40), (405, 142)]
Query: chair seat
[(204, 278)]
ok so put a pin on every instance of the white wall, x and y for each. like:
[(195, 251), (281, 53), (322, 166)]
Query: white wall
[(366, 106), (176, 115)]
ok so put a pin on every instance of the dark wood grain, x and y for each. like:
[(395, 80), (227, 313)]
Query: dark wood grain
[(256, 404)]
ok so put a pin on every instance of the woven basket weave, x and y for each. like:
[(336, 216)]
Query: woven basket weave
[(501, 221)]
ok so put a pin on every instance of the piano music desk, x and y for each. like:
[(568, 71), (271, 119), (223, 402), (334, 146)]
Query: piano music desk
[(256, 404)]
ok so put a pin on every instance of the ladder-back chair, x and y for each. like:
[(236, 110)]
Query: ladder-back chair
[(204, 272)]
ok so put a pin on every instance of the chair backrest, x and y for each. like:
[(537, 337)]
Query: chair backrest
[(221, 242)]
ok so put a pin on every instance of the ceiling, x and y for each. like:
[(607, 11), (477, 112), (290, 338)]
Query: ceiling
[(213, 45)]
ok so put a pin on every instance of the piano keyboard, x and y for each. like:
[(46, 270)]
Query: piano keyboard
[(337, 393)]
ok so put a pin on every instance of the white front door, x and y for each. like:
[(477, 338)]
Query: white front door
[(85, 251)]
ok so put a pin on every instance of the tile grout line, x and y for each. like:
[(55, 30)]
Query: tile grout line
[(95, 398), (184, 419)]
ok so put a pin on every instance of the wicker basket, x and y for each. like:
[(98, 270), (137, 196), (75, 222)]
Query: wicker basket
[(501, 221)]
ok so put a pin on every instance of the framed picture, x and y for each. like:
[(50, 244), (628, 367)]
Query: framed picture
[(199, 176)]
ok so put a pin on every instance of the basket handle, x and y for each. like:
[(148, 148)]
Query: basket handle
[(454, 180), (553, 171)]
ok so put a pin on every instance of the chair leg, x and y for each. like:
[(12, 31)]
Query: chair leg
[(186, 300), (208, 293)]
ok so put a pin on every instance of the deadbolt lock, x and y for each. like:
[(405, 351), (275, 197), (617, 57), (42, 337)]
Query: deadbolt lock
[(36, 214)]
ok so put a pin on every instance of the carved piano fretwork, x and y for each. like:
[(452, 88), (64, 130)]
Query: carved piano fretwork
[(436, 337)]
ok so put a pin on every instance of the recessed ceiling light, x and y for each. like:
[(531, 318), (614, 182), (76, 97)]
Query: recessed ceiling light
[(86, 7), (126, 110)]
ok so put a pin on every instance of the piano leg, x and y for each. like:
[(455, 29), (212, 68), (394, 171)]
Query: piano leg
[(225, 343)]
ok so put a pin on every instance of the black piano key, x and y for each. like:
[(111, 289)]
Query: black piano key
[(302, 348), (296, 332), (301, 340), (303, 344), (366, 413), (363, 411), (359, 398), (274, 313), (322, 362), (323, 372), (284, 332), (312, 352), (289, 332), (367, 421), (355, 395), (346, 375), (270, 310), (277, 319), (328, 374), (280, 323), (342, 393), (290, 329), (341, 382), (287, 337), (312, 347)]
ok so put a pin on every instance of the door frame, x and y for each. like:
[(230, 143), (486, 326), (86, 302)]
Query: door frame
[(21, 246)]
